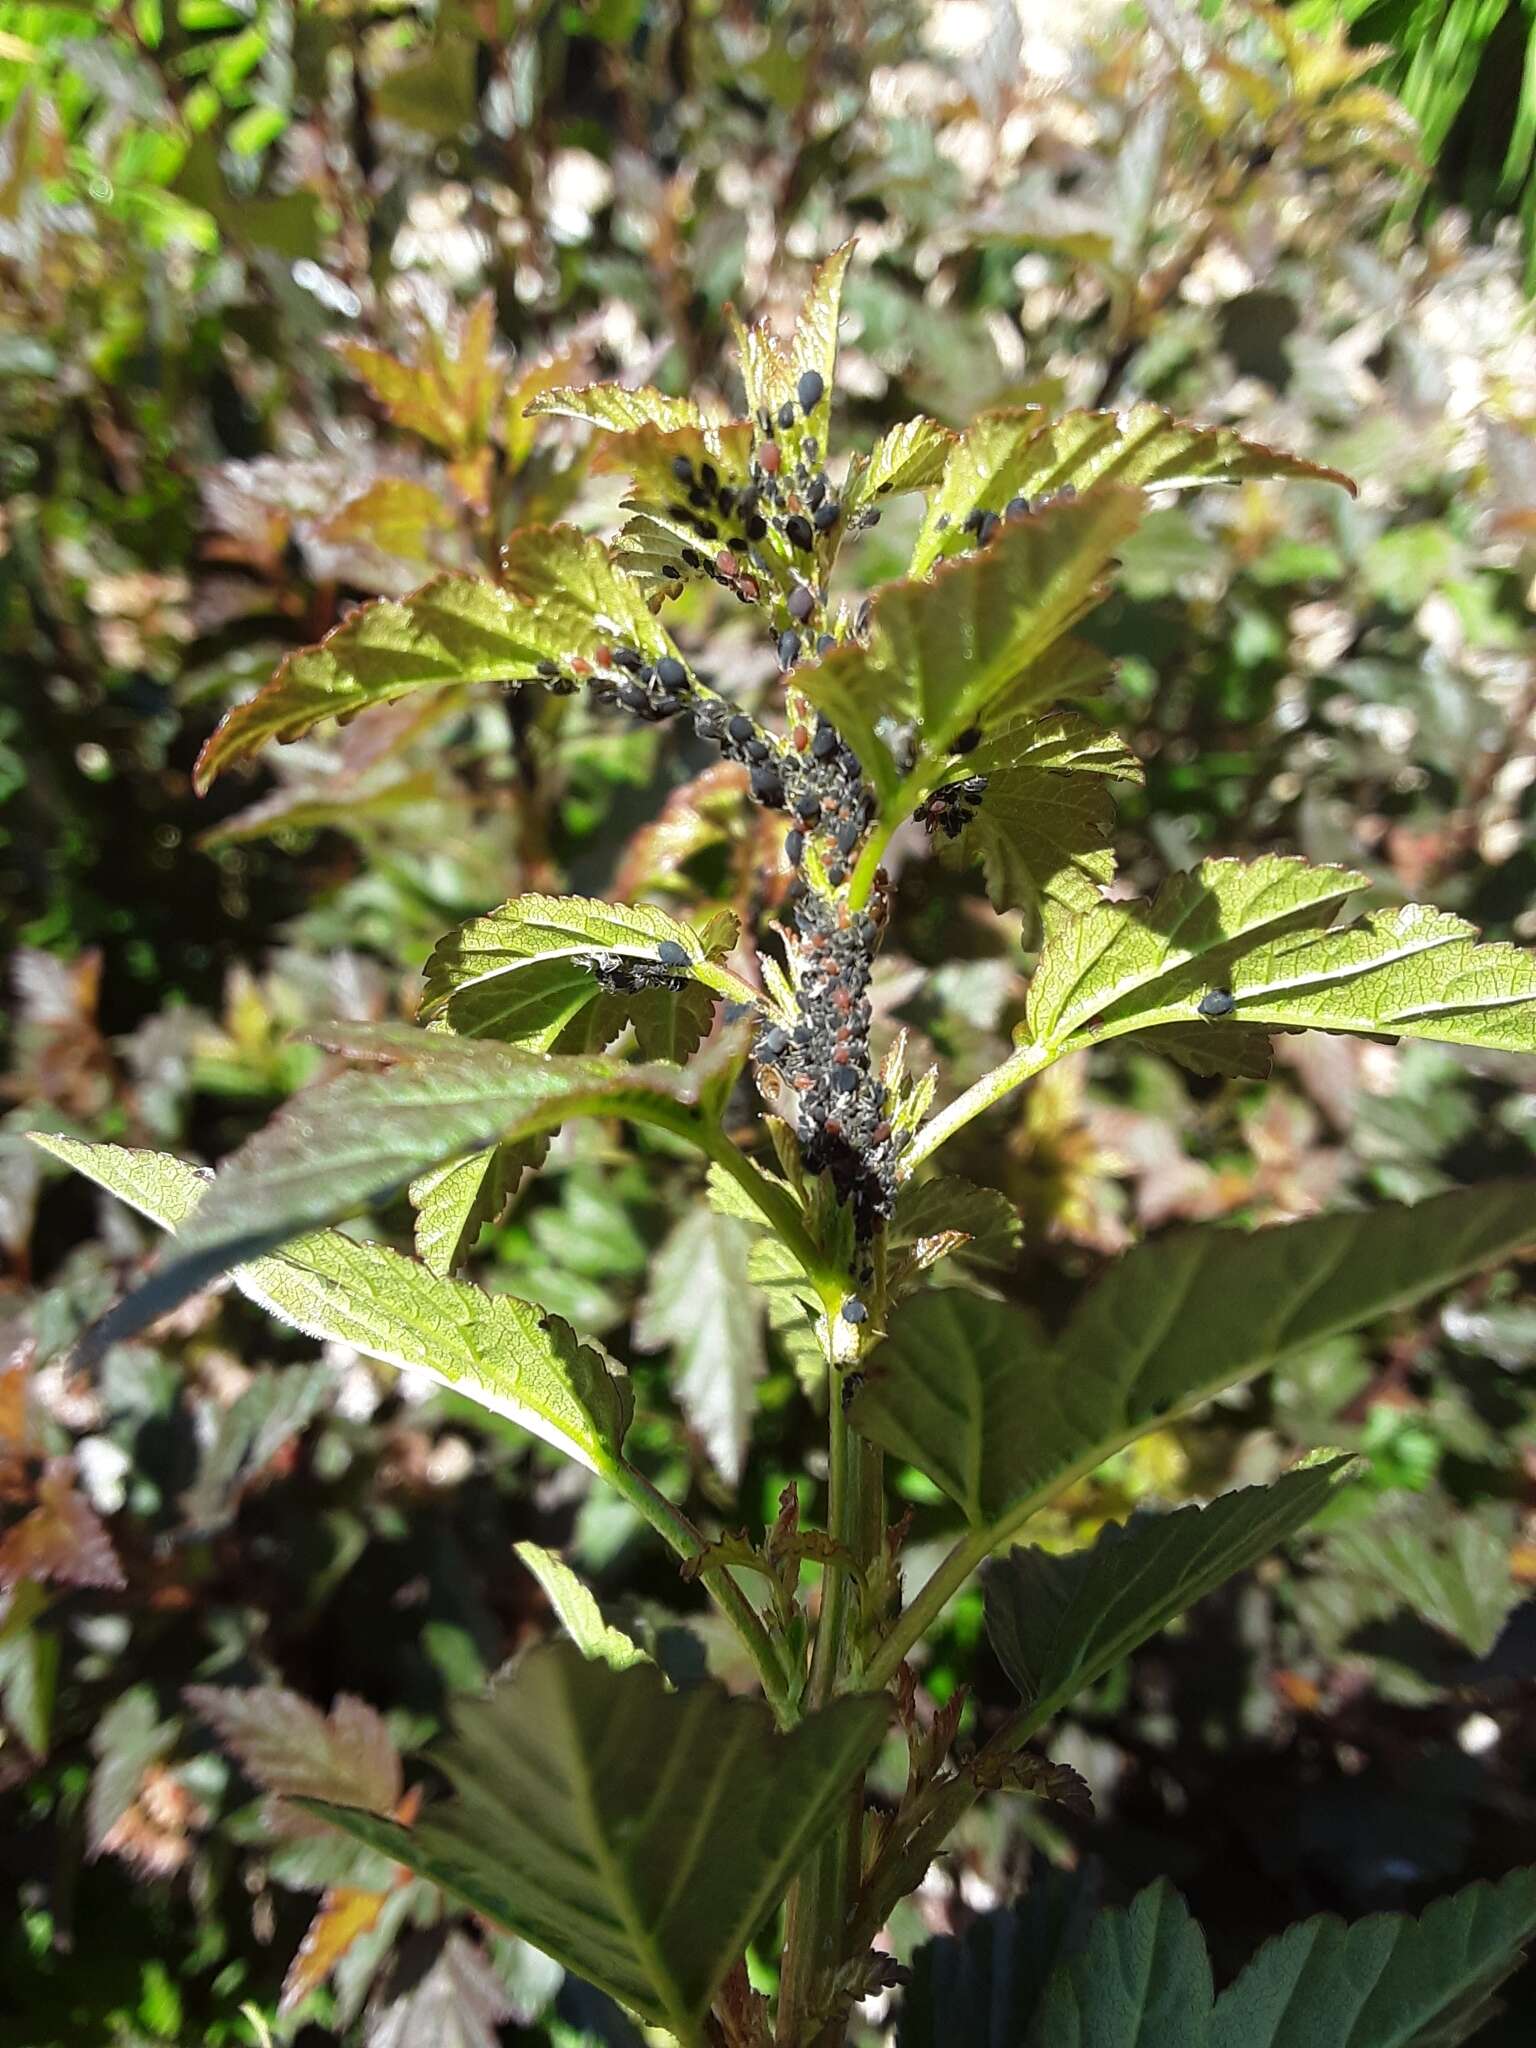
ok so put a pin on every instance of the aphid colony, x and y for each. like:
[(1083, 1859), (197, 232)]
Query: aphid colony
[(623, 974), (789, 491), (812, 775), (841, 1116), (981, 524), (951, 807)]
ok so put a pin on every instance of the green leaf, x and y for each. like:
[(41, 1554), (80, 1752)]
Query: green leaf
[(1251, 930), (700, 1304), (1142, 1981), (905, 458), (1386, 1982), (479, 976), (578, 1610), (946, 1206), (1139, 1977), (638, 1836), (1039, 833), (454, 1202), (967, 645), (580, 601), (1008, 455), (505, 1355), (973, 1393), (621, 408), (1060, 1622), (1451, 1571), (455, 629), (771, 372)]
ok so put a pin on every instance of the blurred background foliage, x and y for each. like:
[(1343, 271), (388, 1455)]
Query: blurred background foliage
[(276, 281)]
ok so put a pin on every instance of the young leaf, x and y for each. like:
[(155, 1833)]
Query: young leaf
[(61, 1539), (578, 600), (578, 1610), (447, 394), (967, 646), (772, 373), (1060, 1622), (905, 458), (348, 1143), (455, 629), (638, 1836), (289, 1747), (700, 1303), (1005, 456), (971, 1392), (1039, 833), (504, 1354)]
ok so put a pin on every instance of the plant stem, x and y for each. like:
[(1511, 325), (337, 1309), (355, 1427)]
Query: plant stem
[(1018, 1068), (675, 1529), (915, 1620)]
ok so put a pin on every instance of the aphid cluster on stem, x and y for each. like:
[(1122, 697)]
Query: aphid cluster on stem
[(841, 1117), (951, 807), (623, 676)]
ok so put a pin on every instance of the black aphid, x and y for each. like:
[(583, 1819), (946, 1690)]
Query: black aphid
[(854, 1311), (797, 531), (787, 413), (671, 954), (827, 515), (810, 389), (1217, 1002), (801, 603)]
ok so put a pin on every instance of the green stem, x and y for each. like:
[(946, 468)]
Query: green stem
[(1018, 1068), (772, 1202), (675, 1529), (915, 1620)]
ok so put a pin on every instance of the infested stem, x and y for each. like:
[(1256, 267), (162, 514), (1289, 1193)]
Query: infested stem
[(915, 1620)]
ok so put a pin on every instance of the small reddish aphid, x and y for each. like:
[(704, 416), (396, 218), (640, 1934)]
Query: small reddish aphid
[(603, 656), (725, 562), (580, 667), (880, 1135), (769, 458), (802, 739)]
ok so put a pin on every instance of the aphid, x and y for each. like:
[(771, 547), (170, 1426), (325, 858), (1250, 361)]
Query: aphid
[(797, 531), (548, 669), (966, 742), (810, 389), (625, 657), (825, 642), (975, 519), (671, 954), (766, 786), (709, 476), (851, 1386), (774, 1041), (825, 742), (827, 515), (794, 847), (787, 413), (1017, 508), (1217, 1002), (951, 808), (789, 647), (670, 673), (757, 525), (801, 603), (817, 491), (988, 527), (739, 727), (854, 1311), (808, 807), (768, 458), (682, 469)]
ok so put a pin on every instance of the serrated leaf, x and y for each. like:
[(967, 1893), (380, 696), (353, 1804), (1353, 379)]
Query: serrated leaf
[(1251, 931), (402, 515), (1143, 1980), (1138, 1977), (1067, 741), (1038, 833), (991, 1224), (578, 1610), (478, 976), (503, 1354), (905, 458), (453, 1203), (771, 371), (61, 1539), (449, 1995), (346, 1144), (621, 408), (1452, 1572), (286, 1745), (579, 599), (455, 629), (1386, 1982), (973, 1393), (1059, 1622), (964, 647), (700, 1305), (1022, 454), (636, 1835), (448, 392)]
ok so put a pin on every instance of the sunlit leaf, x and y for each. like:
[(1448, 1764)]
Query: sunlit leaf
[(343, 1916), (639, 1836), (578, 1610), (62, 1539), (962, 648), (1001, 1418), (621, 408), (448, 392), (905, 458), (504, 1354), (1003, 457)]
